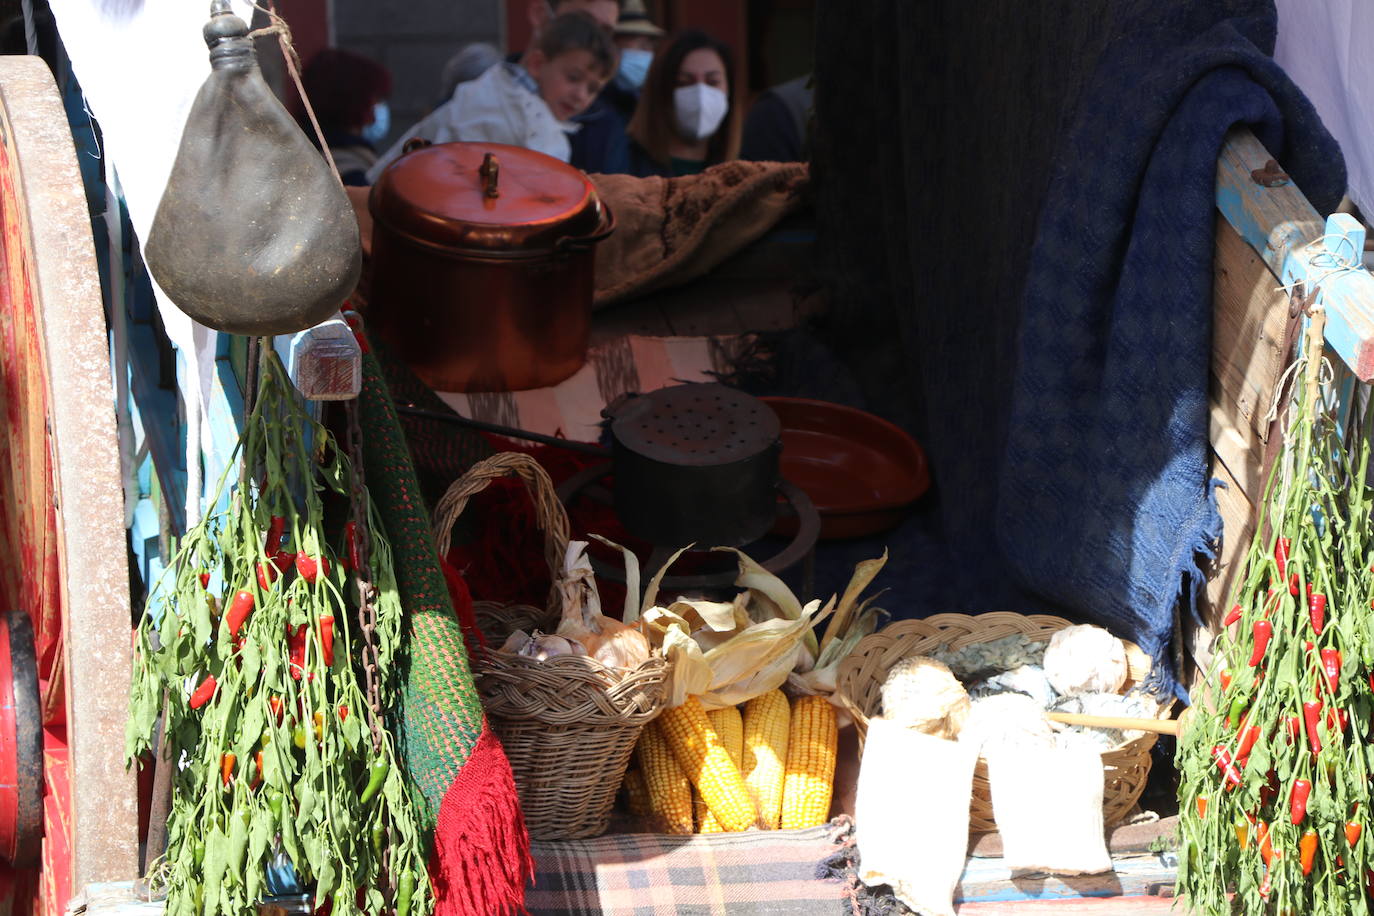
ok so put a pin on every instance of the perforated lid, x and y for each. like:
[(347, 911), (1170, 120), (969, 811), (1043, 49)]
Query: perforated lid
[(696, 425)]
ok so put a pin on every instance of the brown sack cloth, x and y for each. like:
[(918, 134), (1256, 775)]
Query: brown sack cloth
[(671, 230)]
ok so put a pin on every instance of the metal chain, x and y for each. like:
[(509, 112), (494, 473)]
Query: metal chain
[(367, 592), (367, 612)]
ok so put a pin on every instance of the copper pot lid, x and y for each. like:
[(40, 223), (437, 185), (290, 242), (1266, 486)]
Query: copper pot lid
[(487, 198), (695, 425)]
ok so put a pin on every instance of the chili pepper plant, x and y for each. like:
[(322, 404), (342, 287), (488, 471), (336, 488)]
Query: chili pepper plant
[(1275, 764), (252, 639)]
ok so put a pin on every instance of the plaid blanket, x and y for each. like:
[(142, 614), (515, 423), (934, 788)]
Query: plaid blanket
[(767, 873)]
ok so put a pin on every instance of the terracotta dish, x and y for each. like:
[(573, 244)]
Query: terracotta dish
[(862, 472)]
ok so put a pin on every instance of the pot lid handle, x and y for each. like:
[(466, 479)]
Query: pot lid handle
[(490, 170)]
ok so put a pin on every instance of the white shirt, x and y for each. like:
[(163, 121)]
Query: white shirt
[(497, 107)]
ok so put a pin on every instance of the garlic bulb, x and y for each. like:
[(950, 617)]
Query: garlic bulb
[(923, 694), (544, 646), (613, 643)]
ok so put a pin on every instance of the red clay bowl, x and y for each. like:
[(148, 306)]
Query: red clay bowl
[(862, 472)]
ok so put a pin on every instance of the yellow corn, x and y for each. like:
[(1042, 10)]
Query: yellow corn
[(811, 742), (730, 727), (637, 793), (766, 719), (670, 794), (708, 765)]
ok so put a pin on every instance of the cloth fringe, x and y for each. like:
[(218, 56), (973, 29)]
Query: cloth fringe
[(843, 865), (482, 863)]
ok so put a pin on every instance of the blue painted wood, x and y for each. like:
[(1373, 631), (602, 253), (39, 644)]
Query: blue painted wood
[(989, 880), (1283, 229)]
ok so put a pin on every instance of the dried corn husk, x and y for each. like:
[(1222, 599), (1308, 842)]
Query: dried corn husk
[(852, 621), (729, 652)]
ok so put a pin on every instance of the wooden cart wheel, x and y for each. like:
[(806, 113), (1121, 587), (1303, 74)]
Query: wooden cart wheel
[(62, 541)]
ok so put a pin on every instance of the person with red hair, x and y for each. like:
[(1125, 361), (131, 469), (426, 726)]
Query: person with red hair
[(348, 93)]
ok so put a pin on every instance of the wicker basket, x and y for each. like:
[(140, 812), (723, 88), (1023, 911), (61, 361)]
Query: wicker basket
[(861, 675), (568, 724)]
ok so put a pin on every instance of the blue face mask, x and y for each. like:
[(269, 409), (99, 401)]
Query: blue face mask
[(376, 132), (634, 67)]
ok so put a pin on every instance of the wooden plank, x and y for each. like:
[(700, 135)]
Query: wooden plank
[(1239, 519), (1114, 906), (989, 880), (1288, 234), (1249, 317), (88, 490)]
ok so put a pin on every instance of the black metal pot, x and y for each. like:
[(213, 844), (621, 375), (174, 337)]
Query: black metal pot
[(695, 464)]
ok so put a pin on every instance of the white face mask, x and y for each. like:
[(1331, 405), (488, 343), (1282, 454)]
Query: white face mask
[(699, 109)]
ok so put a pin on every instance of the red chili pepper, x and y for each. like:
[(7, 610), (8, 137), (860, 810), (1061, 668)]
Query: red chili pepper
[(204, 580), (1229, 772), (239, 610), (1281, 548), (1294, 728), (1263, 631), (203, 693), (327, 639), (1336, 720), (306, 566), (1312, 716), (351, 546), (1266, 845), (295, 643), (1353, 829), (1297, 800), (1307, 851), (1331, 665), (1202, 807), (1232, 616), (257, 778), (343, 712), (1226, 679), (1247, 743), (226, 768), (275, 528), (283, 560), (1316, 609), (275, 704), (267, 574), (1292, 583)]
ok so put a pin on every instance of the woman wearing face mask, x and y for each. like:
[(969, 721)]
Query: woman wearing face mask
[(349, 93), (684, 121)]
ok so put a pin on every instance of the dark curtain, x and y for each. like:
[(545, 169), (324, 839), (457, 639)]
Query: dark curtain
[(937, 123)]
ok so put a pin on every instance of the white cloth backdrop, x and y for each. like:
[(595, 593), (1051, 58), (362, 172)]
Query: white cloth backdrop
[(1327, 46), (140, 64)]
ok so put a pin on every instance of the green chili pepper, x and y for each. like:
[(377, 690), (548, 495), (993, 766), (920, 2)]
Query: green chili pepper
[(405, 889), (275, 801), (375, 777)]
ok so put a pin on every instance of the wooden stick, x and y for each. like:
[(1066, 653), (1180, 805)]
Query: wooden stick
[(1126, 723)]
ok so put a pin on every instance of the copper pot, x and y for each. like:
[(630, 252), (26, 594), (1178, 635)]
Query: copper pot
[(482, 265)]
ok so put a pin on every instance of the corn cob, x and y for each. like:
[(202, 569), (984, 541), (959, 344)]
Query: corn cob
[(766, 719), (670, 794), (811, 742), (708, 765), (636, 792), (730, 728)]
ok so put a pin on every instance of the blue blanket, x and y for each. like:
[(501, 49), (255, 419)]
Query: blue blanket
[(1105, 504)]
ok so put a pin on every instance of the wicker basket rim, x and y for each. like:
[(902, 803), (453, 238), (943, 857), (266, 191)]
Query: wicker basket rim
[(1038, 627)]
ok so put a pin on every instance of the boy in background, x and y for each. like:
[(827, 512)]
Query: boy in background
[(527, 104)]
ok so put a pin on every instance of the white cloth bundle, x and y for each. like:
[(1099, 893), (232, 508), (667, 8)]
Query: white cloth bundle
[(914, 841), (1048, 806)]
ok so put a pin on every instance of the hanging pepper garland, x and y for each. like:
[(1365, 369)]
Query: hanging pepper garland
[(1275, 766), (260, 645)]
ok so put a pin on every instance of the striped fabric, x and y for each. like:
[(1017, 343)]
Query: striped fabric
[(572, 408), (761, 873)]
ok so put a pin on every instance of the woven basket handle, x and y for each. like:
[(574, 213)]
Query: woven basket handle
[(552, 517)]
